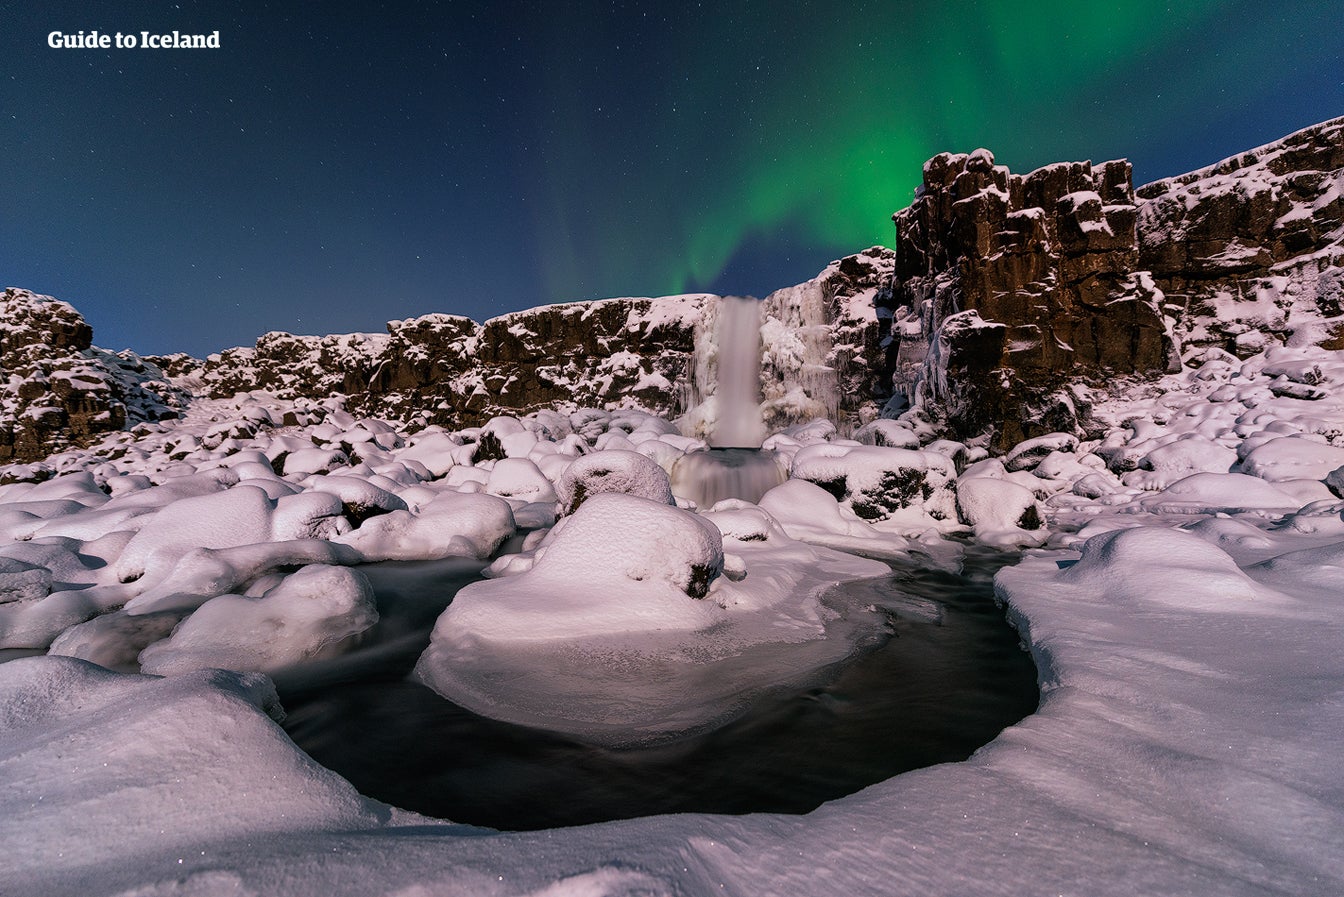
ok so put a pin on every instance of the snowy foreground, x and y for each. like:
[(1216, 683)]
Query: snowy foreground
[(1180, 595)]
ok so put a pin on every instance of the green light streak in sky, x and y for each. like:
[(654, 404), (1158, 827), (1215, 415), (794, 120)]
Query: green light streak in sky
[(829, 139)]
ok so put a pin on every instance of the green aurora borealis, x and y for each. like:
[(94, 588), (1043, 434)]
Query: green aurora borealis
[(819, 127), (329, 173)]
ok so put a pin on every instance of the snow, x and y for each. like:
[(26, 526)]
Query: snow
[(623, 631), (908, 491), (453, 524), (313, 613), (1215, 493), (434, 450), (237, 516), (181, 766), (519, 478), (1179, 597), (1292, 457), (612, 470), (1001, 512)]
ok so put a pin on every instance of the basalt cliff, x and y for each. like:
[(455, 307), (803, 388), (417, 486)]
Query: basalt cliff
[(1008, 298)]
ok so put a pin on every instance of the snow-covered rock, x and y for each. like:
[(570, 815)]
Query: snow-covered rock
[(630, 473), (313, 613)]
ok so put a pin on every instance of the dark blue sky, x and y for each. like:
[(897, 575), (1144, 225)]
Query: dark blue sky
[(336, 165)]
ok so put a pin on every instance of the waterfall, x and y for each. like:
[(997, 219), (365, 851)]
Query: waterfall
[(723, 390), (738, 421), (762, 366)]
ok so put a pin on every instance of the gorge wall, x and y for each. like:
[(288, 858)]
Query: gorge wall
[(1004, 294), (1011, 289), (1249, 251)]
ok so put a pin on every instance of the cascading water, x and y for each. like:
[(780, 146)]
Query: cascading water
[(738, 422), (762, 366), (730, 411)]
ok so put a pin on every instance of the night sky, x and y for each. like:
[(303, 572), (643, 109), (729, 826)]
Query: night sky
[(336, 165)]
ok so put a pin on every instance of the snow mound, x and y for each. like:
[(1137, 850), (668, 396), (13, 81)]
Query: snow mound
[(115, 640), (1219, 493), (631, 473), (519, 479), (452, 525), (1026, 455), (238, 516), (1000, 511), (1196, 575), (313, 613), (908, 490), (102, 760), (610, 636), (1292, 457)]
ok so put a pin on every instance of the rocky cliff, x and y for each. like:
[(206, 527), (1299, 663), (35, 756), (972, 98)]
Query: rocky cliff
[(1008, 287), (59, 389), (596, 354), (1250, 251), (1006, 293), (1010, 290), (450, 369), (657, 354)]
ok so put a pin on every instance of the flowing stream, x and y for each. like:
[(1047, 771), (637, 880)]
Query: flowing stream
[(942, 674)]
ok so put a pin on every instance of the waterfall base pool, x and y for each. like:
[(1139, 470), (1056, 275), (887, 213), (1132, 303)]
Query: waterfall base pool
[(945, 679), (710, 476)]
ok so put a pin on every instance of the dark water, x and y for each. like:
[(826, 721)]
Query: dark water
[(947, 679)]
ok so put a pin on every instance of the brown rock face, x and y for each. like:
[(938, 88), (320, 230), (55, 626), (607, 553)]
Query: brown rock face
[(1007, 287), (1250, 250), (291, 366), (449, 369), (574, 354), (58, 390)]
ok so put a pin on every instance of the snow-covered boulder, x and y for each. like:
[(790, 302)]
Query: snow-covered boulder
[(1196, 575), (1028, 453), (1000, 511), (1220, 493), (519, 479), (913, 488), (436, 451), (629, 473), (313, 613), (1293, 457), (621, 630), (23, 582), (237, 516), (115, 640), (888, 433), (452, 525)]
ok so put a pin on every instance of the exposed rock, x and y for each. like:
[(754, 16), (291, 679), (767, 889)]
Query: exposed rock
[(293, 366), (1006, 293), (601, 354), (59, 389), (1251, 250), (1008, 287)]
